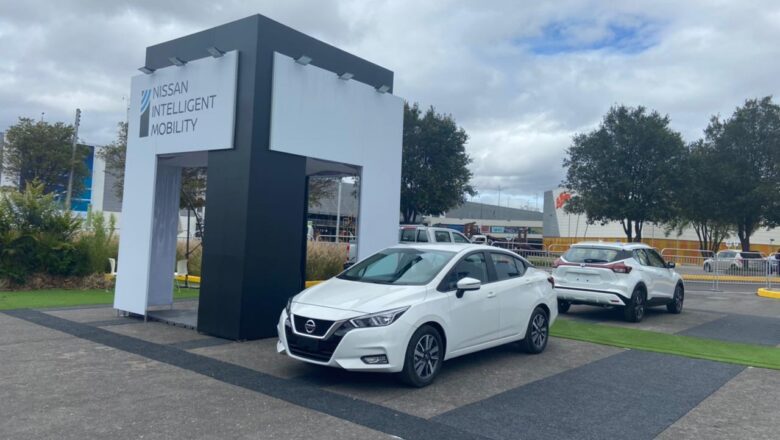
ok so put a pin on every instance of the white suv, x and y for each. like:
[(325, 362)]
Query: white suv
[(427, 234), (632, 276)]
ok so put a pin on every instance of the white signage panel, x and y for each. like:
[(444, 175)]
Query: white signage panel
[(185, 108)]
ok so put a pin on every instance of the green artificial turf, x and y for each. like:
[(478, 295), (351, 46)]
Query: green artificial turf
[(37, 299), (715, 350)]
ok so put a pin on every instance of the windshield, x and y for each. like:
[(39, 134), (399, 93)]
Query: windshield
[(593, 255), (399, 267)]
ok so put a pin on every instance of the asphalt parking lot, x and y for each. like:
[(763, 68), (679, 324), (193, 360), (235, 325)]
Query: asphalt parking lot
[(84, 373)]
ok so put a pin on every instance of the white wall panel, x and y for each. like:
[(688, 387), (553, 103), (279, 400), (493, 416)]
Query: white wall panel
[(316, 114)]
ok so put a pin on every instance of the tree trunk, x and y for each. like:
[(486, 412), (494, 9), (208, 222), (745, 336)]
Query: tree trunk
[(626, 223), (638, 231), (744, 237)]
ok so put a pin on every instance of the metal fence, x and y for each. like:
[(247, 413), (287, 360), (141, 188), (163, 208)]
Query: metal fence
[(336, 238), (702, 267), (715, 271)]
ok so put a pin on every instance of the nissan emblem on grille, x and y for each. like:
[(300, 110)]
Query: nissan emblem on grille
[(310, 326)]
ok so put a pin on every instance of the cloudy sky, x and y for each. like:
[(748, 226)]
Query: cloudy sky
[(520, 76)]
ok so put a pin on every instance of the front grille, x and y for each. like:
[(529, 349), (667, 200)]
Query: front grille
[(311, 348), (321, 326)]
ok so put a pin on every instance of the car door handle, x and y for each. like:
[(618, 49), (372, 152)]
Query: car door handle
[(491, 294)]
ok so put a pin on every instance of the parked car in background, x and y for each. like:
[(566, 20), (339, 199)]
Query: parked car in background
[(734, 260), (428, 234), (479, 239), (409, 308), (632, 276)]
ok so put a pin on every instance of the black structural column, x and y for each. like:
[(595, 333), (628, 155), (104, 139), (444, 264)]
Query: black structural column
[(254, 239)]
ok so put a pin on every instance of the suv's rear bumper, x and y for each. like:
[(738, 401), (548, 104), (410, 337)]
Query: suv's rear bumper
[(580, 295)]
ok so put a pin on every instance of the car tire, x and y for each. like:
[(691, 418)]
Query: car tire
[(424, 356), (634, 311), (563, 306), (676, 305), (538, 332)]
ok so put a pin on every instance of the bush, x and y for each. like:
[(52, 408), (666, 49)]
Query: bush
[(35, 235), (97, 242), (324, 260), (196, 255), (38, 237)]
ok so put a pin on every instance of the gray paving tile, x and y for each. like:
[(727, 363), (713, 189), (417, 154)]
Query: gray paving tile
[(629, 395), (740, 328), (744, 408)]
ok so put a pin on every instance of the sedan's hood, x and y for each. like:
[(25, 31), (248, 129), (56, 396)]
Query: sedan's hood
[(360, 297)]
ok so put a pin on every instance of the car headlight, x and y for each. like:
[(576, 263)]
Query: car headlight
[(380, 319), (288, 306)]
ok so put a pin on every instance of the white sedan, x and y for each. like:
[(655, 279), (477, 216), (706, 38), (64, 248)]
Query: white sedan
[(407, 309)]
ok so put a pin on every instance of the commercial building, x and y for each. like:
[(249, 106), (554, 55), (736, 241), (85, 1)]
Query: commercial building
[(562, 229)]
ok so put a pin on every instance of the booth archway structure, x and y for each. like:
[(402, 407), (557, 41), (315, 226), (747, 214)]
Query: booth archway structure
[(258, 103)]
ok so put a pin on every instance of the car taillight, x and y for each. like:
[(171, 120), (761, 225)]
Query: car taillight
[(619, 267), (551, 281)]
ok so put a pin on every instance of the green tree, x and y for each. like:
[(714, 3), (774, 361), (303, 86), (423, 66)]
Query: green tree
[(435, 175), (701, 206), (114, 156), (42, 151), (746, 148), (626, 170)]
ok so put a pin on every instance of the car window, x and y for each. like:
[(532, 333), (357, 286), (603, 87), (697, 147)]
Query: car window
[(505, 266), (641, 256), (751, 255), (655, 259), (520, 266), (442, 236), (407, 235), (473, 266), (399, 266), (593, 255), (422, 236), (459, 238)]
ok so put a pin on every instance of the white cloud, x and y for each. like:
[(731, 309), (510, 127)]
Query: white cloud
[(520, 77)]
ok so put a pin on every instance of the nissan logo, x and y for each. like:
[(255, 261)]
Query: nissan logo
[(310, 326)]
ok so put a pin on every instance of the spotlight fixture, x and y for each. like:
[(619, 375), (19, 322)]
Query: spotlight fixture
[(146, 70), (303, 60), (177, 61), (346, 76), (383, 88), (214, 52)]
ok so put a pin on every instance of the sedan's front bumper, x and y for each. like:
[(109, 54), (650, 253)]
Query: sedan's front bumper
[(348, 350)]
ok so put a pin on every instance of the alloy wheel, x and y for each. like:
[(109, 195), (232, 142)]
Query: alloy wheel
[(639, 306), (426, 356), (539, 330)]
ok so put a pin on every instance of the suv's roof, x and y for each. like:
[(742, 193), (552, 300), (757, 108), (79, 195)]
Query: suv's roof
[(427, 227), (612, 245), (450, 247)]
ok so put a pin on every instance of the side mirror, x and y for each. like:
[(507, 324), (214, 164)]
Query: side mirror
[(670, 265), (465, 284)]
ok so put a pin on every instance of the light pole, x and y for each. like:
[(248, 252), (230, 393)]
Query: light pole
[(73, 158)]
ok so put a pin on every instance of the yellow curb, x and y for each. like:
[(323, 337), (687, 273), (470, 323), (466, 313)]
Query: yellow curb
[(766, 293), (191, 278), (312, 283), (733, 278)]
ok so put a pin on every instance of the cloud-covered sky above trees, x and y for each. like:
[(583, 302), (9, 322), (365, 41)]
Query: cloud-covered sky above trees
[(520, 76)]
